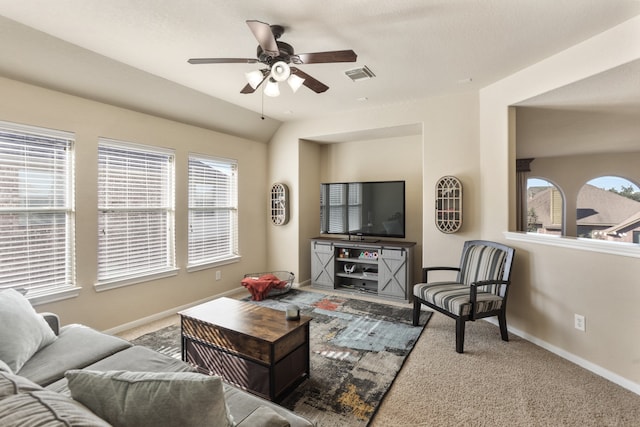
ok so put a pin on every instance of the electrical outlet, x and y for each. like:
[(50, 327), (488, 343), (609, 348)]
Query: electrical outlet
[(579, 322), (218, 275)]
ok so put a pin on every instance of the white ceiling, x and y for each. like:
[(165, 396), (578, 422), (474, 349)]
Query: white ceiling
[(134, 53)]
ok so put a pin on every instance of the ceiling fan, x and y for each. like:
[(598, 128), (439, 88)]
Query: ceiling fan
[(277, 56)]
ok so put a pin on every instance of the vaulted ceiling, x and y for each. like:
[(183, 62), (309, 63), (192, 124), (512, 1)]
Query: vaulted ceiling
[(134, 53)]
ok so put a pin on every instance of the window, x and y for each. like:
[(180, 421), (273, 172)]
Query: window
[(213, 210), (545, 208), (36, 211), (608, 209), (135, 213)]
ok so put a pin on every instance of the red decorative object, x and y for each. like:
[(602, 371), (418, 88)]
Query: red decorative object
[(259, 287)]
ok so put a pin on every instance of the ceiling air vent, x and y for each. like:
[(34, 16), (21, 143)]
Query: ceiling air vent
[(357, 74)]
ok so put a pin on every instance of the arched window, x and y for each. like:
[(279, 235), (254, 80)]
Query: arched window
[(608, 208), (545, 207)]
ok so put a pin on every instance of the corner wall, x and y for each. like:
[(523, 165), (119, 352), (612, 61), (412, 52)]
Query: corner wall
[(551, 284), (22, 103), (448, 145)]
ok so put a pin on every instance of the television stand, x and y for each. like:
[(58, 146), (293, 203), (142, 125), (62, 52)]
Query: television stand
[(375, 268), (360, 239)]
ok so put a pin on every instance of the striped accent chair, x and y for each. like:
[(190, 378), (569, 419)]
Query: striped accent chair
[(479, 290)]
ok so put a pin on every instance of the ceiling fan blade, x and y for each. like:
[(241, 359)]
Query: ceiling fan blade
[(222, 61), (262, 32), (310, 82), (325, 57), (249, 89)]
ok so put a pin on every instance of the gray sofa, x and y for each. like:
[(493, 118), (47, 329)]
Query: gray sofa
[(87, 374)]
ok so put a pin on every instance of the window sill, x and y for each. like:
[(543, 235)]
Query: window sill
[(45, 297), (132, 280), (213, 264), (591, 245)]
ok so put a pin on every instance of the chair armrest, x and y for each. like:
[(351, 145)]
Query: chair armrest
[(490, 282), (473, 289), (474, 286), (53, 320), (426, 270)]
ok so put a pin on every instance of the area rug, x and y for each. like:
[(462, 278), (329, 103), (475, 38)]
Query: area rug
[(357, 349)]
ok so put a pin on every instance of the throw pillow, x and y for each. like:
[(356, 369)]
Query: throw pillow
[(23, 331), (11, 384), (24, 403), (126, 398), (45, 408), (264, 416), (4, 367)]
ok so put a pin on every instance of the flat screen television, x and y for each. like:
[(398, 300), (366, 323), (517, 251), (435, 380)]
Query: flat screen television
[(363, 208)]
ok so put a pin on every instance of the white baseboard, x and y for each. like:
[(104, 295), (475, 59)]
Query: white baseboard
[(167, 313), (596, 369)]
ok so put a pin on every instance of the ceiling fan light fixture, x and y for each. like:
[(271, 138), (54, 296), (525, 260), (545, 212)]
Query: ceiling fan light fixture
[(280, 71), (295, 82), (271, 89), (254, 78)]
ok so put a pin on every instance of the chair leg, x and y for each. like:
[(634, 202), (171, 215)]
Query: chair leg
[(502, 321), (416, 311), (460, 335)]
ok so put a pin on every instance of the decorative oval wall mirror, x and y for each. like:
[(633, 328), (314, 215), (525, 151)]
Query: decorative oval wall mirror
[(448, 204), (279, 204)]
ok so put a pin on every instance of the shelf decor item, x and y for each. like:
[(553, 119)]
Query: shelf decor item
[(277, 282), (448, 204), (292, 312), (279, 204), (349, 268)]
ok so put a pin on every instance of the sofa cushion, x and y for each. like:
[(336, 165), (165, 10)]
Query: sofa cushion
[(151, 398), (77, 346), (23, 331), (141, 359), (136, 358), (45, 408), (11, 384), (24, 403), (242, 404), (264, 417)]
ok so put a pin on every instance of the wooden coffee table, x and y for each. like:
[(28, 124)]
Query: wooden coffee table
[(252, 347)]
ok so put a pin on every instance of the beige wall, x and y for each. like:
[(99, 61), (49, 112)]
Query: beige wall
[(448, 145), (387, 159), (90, 120), (309, 204), (552, 283)]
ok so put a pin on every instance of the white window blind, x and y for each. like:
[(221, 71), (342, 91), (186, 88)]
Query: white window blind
[(213, 209), (355, 206), (136, 211), (36, 210), (337, 208), (341, 207)]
